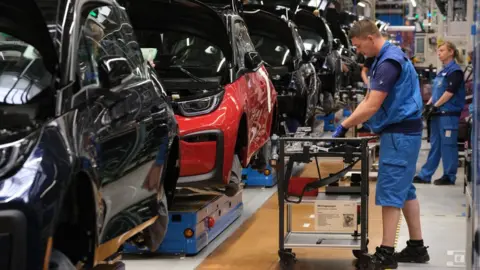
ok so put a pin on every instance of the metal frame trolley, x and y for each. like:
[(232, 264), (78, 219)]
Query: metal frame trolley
[(304, 149)]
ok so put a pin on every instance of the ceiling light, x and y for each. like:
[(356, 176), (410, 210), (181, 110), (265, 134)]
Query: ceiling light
[(361, 4)]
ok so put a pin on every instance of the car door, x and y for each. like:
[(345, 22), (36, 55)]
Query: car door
[(125, 134), (257, 104)]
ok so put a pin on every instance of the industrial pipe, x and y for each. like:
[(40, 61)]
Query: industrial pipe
[(401, 28)]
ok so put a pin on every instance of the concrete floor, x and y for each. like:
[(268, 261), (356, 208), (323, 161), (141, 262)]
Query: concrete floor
[(253, 199), (443, 222)]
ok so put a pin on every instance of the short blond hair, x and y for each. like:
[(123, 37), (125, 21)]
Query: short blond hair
[(364, 28)]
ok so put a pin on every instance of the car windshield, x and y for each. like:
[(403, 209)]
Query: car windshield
[(22, 72), (273, 52), (311, 40), (172, 52)]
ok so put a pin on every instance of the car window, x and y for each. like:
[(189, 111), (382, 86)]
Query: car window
[(23, 74), (166, 49), (273, 52), (107, 32), (243, 42)]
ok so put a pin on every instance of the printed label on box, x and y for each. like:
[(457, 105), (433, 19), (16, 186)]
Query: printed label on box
[(335, 216)]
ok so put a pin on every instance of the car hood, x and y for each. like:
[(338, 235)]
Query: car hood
[(264, 23), (304, 18), (189, 16)]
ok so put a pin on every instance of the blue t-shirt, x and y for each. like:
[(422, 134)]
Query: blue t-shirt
[(386, 75)]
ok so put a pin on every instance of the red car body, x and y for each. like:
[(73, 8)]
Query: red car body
[(222, 112), (252, 97)]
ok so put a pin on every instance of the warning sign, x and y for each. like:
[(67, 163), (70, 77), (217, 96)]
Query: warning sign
[(335, 216)]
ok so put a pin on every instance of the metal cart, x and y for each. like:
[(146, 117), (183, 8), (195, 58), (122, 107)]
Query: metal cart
[(303, 149)]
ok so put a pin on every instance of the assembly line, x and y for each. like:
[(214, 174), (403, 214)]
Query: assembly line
[(226, 134)]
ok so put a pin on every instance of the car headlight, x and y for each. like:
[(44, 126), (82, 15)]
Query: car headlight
[(200, 106), (14, 154)]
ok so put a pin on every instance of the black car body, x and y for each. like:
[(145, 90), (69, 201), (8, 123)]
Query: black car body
[(319, 41), (88, 142), (289, 65), (340, 23)]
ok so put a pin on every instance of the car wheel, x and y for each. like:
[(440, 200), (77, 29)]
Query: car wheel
[(235, 178), (58, 261)]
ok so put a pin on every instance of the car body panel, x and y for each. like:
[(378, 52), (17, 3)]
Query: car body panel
[(281, 47), (106, 151)]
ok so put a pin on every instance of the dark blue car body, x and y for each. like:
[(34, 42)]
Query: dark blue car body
[(88, 141)]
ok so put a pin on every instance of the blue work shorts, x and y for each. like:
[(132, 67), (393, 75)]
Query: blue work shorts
[(397, 166)]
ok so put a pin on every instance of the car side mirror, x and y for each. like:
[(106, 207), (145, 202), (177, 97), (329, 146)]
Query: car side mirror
[(113, 71), (336, 44), (253, 61)]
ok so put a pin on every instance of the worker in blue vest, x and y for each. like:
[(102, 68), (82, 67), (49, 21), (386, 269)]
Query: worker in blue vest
[(444, 109), (393, 109)]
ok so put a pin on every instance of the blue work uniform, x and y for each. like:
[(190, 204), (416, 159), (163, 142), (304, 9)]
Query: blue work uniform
[(399, 123), (444, 127)]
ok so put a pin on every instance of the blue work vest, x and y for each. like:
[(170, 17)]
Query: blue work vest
[(440, 84), (404, 101)]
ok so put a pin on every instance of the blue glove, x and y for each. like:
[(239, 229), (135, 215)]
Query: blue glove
[(340, 132)]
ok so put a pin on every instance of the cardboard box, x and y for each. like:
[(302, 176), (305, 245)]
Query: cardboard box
[(336, 216)]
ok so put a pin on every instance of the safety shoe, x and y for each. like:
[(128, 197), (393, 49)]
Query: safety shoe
[(413, 254), (443, 181), (419, 180), (382, 259)]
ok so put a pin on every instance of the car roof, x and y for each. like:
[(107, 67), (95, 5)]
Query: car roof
[(189, 16)]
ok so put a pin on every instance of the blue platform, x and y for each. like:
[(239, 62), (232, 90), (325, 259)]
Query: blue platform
[(328, 120), (254, 178), (176, 242)]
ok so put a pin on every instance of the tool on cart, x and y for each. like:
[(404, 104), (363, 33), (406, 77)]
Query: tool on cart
[(302, 147)]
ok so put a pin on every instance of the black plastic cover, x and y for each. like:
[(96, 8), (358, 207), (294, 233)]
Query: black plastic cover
[(13, 240)]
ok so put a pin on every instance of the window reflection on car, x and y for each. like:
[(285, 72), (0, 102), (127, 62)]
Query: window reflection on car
[(273, 52), (22, 72), (172, 49)]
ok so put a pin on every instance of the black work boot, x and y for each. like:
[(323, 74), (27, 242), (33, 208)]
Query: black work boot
[(382, 259), (443, 181), (413, 253), (419, 180)]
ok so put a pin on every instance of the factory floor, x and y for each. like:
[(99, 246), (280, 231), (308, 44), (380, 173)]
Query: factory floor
[(252, 241)]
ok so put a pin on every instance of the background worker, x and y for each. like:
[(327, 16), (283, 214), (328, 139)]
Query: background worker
[(444, 109), (393, 108)]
